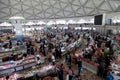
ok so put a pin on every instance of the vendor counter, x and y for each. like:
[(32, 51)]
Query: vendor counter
[(10, 67), (5, 55), (116, 76), (115, 71), (71, 46), (31, 75), (15, 48)]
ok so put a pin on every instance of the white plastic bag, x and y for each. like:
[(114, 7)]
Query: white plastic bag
[(67, 77)]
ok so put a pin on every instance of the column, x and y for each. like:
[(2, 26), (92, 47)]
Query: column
[(18, 29)]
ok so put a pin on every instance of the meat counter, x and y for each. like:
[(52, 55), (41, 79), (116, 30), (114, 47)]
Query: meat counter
[(41, 72), (5, 56), (10, 67)]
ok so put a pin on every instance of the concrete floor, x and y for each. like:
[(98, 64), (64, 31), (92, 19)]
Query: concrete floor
[(86, 75)]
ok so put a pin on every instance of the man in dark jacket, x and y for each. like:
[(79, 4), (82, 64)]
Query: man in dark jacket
[(79, 63)]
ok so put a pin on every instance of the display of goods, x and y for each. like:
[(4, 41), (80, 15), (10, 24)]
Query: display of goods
[(12, 63), (91, 62), (95, 64), (29, 57), (118, 59), (1, 55), (45, 68), (12, 77), (5, 66), (117, 37), (28, 61), (48, 78)]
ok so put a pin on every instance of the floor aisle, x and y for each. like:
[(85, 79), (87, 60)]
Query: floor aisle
[(85, 75)]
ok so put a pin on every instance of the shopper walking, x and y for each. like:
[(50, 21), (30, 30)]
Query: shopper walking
[(70, 73), (79, 63), (68, 59), (109, 76), (60, 73), (53, 59)]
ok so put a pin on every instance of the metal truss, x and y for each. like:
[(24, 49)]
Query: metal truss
[(55, 9)]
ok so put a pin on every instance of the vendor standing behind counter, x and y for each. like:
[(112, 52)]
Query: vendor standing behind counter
[(10, 44), (12, 58)]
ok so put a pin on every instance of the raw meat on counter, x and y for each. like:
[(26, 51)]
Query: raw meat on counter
[(12, 77)]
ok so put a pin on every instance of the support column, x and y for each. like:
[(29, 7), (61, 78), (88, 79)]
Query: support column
[(18, 29)]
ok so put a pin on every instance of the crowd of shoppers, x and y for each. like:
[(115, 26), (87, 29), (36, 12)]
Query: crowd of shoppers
[(98, 48)]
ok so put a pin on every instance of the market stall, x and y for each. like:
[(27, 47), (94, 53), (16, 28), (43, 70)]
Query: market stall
[(71, 46), (13, 66), (5, 55), (22, 65), (14, 48), (31, 74)]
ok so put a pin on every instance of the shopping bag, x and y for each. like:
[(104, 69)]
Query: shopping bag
[(67, 77)]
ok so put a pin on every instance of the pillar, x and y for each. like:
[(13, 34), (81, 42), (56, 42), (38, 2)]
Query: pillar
[(18, 29)]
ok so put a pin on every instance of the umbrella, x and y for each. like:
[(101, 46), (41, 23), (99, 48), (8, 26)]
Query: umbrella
[(71, 22), (29, 23), (5, 24), (82, 21), (40, 23), (60, 22), (51, 23)]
